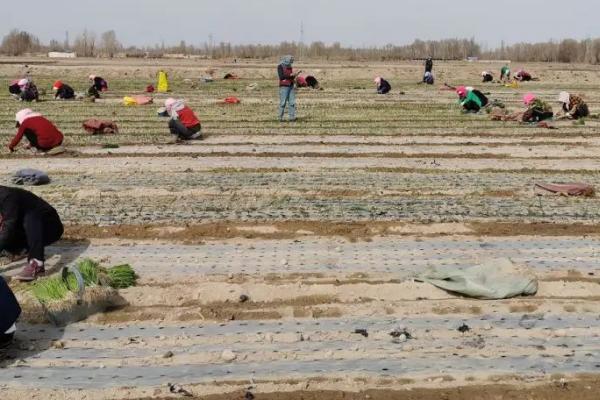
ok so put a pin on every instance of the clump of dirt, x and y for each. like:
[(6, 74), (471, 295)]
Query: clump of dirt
[(523, 308), (316, 306), (474, 310)]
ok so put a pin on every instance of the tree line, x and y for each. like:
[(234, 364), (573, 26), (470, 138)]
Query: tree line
[(88, 44)]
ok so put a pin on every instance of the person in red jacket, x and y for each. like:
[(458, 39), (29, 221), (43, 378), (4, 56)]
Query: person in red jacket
[(184, 124), (41, 133), (287, 90)]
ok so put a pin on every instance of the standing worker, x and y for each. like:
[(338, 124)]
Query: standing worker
[(27, 224), (39, 131), (287, 90), (429, 65)]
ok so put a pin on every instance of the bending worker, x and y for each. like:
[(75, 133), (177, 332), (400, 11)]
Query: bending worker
[(27, 225), (573, 106), (537, 109), (63, 91), (472, 100), (42, 135), (99, 85)]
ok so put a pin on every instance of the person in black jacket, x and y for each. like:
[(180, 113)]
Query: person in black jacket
[(99, 85), (63, 91), (9, 313), (27, 224), (29, 91), (429, 65), (383, 86)]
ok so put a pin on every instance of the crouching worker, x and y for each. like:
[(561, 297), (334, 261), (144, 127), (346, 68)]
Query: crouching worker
[(184, 124), (99, 85), (27, 225), (29, 92), (573, 106), (42, 135), (472, 100), (14, 89), (383, 86), (487, 76), (63, 91), (9, 315), (537, 110), (428, 78)]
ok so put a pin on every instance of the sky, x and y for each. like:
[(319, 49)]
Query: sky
[(350, 22)]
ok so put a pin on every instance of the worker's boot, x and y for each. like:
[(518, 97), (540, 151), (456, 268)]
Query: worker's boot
[(31, 272), (7, 337)]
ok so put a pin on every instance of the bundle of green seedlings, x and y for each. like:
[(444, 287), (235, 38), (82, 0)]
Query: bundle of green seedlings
[(56, 288)]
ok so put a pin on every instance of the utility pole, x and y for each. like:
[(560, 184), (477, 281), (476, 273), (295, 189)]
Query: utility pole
[(66, 45), (301, 47), (210, 44)]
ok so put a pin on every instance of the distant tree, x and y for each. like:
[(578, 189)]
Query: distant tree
[(85, 44), (17, 43), (55, 45), (109, 43), (568, 51)]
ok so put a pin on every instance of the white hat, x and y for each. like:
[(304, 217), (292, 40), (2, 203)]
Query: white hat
[(564, 97)]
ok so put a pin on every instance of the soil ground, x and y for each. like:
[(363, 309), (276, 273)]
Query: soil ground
[(276, 258)]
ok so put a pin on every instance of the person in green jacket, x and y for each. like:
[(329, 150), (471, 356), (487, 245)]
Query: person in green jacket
[(472, 100), (505, 74)]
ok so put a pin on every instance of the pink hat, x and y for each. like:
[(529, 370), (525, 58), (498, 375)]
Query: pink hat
[(23, 82), (529, 98), (169, 102), (377, 80), (461, 91)]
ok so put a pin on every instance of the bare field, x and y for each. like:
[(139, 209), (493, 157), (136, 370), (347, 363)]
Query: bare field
[(322, 224)]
